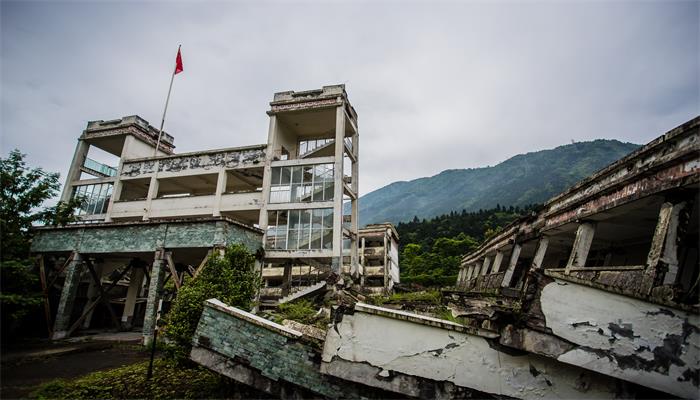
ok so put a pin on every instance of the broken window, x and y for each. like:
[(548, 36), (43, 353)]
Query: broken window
[(95, 198), (310, 229), (307, 146), (301, 184)]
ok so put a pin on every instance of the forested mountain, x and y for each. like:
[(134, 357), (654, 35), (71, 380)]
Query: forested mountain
[(521, 180), (431, 249)]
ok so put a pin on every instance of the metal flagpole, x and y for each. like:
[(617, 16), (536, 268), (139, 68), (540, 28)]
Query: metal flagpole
[(167, 99)]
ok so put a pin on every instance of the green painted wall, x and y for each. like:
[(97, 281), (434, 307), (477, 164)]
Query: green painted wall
[(276, 356), (145, 237)]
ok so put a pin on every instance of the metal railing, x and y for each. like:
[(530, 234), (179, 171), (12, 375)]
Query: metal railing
[(103, 169)]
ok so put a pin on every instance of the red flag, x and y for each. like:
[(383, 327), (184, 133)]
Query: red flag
[(178, 62)]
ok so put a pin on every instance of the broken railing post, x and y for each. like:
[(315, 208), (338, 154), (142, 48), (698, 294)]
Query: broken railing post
[(581, 247), (514, 255), (540, 253), (662, 260), (497, 260)]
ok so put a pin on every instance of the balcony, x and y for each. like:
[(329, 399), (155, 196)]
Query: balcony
[(98, 169)]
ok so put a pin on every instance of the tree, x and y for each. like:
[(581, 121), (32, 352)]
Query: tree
[(231, 278), (22, 191)]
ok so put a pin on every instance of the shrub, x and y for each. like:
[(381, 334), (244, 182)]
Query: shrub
[(301, 311), (230, 278)]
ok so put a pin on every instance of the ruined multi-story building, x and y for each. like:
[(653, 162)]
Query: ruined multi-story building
[(594, 296), (156, 215)]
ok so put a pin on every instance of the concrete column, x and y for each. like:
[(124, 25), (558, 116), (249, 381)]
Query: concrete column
[(337, 262), (485, 266), (662, 259), (116, 193), (470, 272), (582, 244), (92, 293), (81, 152), (540, 253), (287, 279), (152, 194), (354, 204), (497, 260), (68, 292), (155, 291), (512, 263), (267, 176), (135, 283), (220, 189)]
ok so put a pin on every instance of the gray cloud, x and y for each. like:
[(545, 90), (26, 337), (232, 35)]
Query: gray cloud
[(436, 86)]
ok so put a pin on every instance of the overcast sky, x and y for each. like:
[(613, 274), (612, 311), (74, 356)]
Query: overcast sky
[(436, 85)]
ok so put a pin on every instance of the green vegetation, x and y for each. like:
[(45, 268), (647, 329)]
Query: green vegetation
[(427, 296), (301, 311), (521, 180), (22, 193), (230, 278), (170, 380), (431, 250)]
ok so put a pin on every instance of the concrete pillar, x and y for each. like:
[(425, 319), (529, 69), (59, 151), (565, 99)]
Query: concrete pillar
[(220, 189), (81, 152), (512, 263), (337, 261), (92, 293), (68, 292), (497, 260), (152, 194), (485, 266), (582, 244), (135, 283), (662, 259), (155, 291), (354, 204), (287, 279), (540, 253), (267, 176), (116, 194), (470, 272)]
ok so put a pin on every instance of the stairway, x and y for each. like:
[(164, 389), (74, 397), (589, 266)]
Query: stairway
[(302, 291)]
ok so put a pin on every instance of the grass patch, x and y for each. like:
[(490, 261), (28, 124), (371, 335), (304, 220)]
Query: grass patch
[(170, 380), (429, 296)]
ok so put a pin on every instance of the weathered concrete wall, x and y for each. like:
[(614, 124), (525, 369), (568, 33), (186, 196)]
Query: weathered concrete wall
[(637, 341), (277, 353), (197, 161), (145, 237), (388, 352)]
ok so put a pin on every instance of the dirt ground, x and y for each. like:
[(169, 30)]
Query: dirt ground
[(26, 366)]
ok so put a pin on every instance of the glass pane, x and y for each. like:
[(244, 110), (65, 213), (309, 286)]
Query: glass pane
[(328, 238), (271, 218), (302, 148), (296, 174), (328, 191), (294, 219), (318, 192), (327, 217), (282, 220), (308, 173), (293, 240), (305, 219), (317, 219), (304, 239), (285, 175), (276, 173), (297, 193), (316, 235)]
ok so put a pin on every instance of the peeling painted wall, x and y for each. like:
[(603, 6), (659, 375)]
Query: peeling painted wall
[(147, 237), (196, 161), (386, 352), (627, 338)]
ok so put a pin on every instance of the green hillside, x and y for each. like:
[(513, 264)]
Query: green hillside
[(519, 181)]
